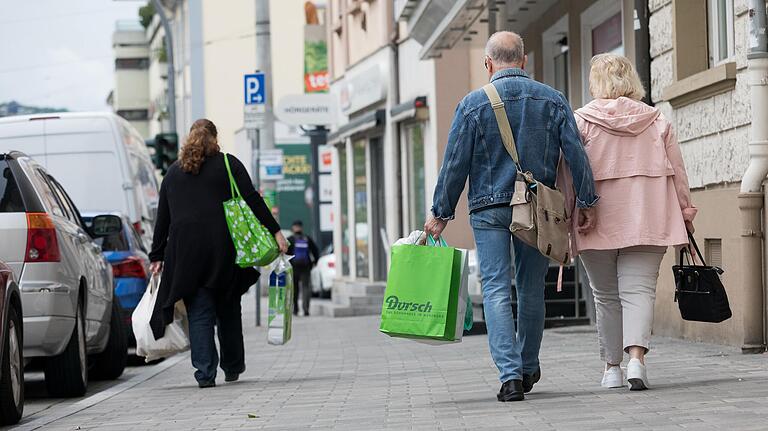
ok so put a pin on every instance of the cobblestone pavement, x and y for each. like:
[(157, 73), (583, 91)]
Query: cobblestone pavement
[(343, 374)]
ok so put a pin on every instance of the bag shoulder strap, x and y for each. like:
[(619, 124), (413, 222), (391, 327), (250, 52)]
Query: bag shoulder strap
[(232, 184), (503, 122)]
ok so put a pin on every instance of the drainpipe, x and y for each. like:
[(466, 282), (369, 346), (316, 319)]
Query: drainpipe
[(751, 198)]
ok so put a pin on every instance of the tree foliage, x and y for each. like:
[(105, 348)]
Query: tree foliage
[(146, 13)]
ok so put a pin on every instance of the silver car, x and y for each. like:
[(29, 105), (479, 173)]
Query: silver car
[(66, 284)]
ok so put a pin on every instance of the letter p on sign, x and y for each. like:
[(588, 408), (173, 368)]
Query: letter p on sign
[(254, 89)]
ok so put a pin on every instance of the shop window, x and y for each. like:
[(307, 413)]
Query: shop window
[(720, 20), (344, 198), (362, 238), (606, 37), (414, 135)]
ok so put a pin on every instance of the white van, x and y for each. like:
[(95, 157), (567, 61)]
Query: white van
[(99, 158)]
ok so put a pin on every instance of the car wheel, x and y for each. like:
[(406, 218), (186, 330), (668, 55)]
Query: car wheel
[(66, 374), (12, 377), (109, 364)]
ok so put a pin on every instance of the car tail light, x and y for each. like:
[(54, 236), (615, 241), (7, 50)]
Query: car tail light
[(132, 267), (331, 264), (139, 229), (42, 245)]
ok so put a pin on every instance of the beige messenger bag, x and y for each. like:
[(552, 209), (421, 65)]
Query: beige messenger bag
[(539, 217)]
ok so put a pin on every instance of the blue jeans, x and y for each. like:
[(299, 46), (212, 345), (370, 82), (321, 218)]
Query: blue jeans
[(205, 310), (515, 353)]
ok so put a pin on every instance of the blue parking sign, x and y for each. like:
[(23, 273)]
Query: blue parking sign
[(254, 89)]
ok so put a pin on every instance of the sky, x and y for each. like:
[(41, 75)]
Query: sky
[(58, 53)]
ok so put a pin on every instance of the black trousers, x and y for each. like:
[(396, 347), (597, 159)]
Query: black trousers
[(207, 310), (302, 283)]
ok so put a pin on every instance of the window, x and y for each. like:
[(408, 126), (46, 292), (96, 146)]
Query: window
[(10, 195), (344, 198), (132, 63), (134, 114), (721, 40), (414, 135), (46, 193), (362, 239)]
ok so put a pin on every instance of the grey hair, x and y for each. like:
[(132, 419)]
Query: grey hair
[(505, 48)]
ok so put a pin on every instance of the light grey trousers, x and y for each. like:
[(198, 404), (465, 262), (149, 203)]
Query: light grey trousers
[(624, 285)]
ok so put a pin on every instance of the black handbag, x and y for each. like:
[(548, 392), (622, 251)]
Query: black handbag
[(698, 290)]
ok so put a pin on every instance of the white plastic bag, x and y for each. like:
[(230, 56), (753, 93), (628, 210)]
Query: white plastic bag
[(280, 301), (176, 338), (416, 237)]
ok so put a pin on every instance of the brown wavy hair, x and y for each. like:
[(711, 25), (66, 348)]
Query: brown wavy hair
[(201, 144)]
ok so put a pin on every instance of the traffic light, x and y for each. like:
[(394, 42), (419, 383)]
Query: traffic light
[(166, 146)]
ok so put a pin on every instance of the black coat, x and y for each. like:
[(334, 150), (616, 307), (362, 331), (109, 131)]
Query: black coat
[(192, 238)]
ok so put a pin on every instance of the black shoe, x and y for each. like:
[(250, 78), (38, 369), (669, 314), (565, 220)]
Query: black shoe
[(207, 384), (511, 390), (231, 377), (531, 379)]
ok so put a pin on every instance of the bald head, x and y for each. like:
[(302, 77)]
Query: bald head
[(505, 49)]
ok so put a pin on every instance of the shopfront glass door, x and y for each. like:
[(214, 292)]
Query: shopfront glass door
[(345, 234), (362, 236), (378, 210), (416, 194)]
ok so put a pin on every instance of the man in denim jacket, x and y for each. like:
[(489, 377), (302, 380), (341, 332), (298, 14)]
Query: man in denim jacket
[(543, 127)]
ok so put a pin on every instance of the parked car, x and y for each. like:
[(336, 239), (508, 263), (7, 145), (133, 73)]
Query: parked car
[(125, 251), (324, 272), (99, 158), (66, 283), (11, 352)]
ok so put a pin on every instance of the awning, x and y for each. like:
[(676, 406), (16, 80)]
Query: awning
[(446, 32), (413, 109), (360, 124)]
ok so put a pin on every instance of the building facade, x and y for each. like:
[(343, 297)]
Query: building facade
[(691, 56), (130, 97)]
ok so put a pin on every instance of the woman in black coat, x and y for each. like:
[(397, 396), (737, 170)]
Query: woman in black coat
[(193, 249)]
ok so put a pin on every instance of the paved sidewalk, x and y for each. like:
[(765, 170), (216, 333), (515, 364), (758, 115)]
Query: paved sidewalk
[(343, 374)]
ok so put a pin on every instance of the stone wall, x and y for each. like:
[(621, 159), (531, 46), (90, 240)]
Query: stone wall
[(713, 132)]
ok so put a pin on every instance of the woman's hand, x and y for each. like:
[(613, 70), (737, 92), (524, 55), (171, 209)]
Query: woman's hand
[(156, 267), (587, 220), (689, 226), (282, 243)]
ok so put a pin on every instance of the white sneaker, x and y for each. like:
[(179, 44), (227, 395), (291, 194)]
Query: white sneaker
[(637, 380), (613, 377)]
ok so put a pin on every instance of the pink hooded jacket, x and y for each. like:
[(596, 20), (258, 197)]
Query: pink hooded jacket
[(639, 175)]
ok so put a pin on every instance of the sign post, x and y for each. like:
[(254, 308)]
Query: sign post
[(254, 119)]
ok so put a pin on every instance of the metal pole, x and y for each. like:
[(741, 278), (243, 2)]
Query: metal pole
[(256, 147), (318, 137), (264, 64), (171, 70)]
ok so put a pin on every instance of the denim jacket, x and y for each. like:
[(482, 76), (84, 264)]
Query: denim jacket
[(543, 125)]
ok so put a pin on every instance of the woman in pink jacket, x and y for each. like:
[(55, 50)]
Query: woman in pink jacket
[(645, 207)]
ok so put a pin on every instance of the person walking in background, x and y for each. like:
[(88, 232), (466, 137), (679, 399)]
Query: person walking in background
[(194, 250), (543, 127), (645, 207), (305, 256)]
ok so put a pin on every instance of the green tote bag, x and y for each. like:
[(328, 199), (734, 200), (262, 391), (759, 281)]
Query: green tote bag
[(422, 292), (254, 244)]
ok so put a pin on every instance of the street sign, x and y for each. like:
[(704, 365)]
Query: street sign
[(325, 159), (271, 165), (254, 117), (307, 109), (254, 89)]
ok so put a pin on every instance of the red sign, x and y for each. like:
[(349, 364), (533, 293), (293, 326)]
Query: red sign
[(316, 82)]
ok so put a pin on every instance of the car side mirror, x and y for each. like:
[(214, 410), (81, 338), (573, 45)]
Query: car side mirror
[(106, 225)]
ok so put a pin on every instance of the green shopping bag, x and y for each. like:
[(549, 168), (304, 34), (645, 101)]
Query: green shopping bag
[(422, 292), (254, 244)]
